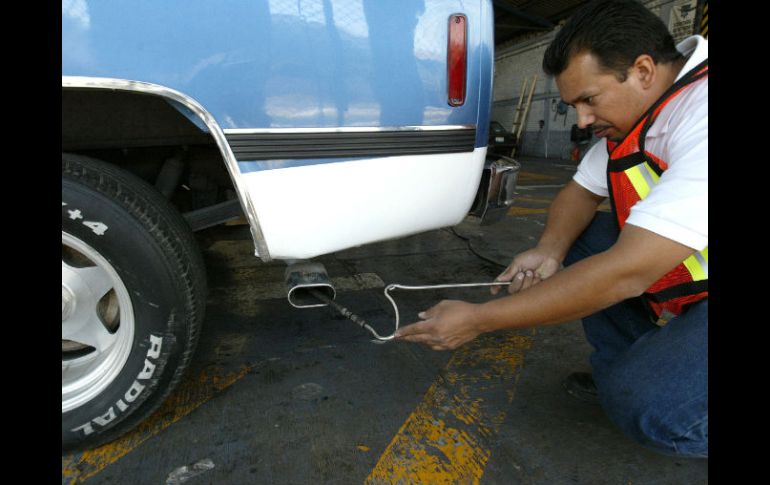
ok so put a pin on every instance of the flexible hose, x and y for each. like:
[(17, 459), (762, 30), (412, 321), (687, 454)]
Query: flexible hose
[(386, 338)]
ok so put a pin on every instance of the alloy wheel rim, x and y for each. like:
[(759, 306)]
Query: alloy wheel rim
[(97, 323)]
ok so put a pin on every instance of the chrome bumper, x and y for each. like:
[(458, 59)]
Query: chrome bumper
[(496, 189)]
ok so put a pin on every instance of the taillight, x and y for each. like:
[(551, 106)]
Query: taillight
[(456, 59)]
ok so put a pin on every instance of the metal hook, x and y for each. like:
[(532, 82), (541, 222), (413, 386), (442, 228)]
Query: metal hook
[(382, 339)]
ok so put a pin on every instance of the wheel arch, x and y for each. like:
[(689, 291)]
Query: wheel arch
[(190, 122)]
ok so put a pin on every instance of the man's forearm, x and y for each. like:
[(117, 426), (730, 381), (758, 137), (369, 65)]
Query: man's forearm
[(570, 213), (579, 290), (627, 269), (638, 259)]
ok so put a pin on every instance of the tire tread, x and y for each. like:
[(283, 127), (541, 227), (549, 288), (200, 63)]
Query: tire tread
[(174, 235)]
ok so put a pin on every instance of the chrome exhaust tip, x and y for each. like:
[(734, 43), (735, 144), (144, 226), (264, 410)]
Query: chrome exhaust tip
[(302, 279), (496, 189)]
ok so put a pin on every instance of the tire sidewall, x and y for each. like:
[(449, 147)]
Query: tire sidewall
[(158, 309)]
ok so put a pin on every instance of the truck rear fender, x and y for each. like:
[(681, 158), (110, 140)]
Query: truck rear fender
[(201, 118)]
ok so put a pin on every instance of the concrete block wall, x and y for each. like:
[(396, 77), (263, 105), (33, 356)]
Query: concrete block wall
[(523, 59)]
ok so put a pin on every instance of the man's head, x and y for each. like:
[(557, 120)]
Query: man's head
[(612, 60)]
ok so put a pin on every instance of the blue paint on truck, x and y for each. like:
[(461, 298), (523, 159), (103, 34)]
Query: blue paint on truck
[(260, 64)]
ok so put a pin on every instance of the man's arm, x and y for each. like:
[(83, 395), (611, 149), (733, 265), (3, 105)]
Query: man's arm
[(570, 213), (638, 259)]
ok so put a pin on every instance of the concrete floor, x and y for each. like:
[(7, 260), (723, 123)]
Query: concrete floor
[(280, 395)]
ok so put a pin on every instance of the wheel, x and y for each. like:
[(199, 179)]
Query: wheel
[(133, 297)]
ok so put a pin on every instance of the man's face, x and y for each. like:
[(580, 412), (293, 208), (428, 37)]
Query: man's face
[(604, 104)]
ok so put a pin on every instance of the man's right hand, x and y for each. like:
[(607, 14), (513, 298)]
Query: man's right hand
[(570, 213), (527, 269)]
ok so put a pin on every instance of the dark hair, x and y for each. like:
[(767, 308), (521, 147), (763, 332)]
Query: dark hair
[(616, 32)]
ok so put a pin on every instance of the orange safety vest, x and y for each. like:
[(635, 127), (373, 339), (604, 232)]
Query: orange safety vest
[(631, 173)]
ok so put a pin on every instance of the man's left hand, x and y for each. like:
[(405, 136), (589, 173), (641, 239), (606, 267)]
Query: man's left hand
[(445, 326)]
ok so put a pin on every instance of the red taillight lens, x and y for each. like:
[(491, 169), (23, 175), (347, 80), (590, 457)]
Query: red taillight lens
[(456, 59)]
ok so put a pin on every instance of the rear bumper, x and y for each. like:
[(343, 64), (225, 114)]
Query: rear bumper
[(496, 189)]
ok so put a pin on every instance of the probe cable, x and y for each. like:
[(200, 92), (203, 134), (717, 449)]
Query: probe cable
[(386, 338)]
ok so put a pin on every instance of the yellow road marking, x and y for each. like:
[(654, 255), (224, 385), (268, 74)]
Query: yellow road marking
[(543, 200), (523, 211), (255, 291), (448, 438), (188, 396), (531, 177)]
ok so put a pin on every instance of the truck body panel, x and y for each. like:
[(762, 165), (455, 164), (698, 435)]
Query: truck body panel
[(388, 155)]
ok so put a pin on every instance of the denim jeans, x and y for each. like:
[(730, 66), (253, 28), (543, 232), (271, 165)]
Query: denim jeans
[(652, 381)]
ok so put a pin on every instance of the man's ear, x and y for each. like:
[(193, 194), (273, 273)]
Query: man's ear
[(644, 70)]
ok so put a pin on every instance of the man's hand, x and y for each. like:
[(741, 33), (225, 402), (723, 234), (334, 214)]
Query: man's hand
[(527, 269), (570, 213), (445, 326)]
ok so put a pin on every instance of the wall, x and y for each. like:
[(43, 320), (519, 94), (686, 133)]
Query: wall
[(520, 60)]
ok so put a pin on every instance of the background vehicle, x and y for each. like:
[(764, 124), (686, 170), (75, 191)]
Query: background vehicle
[(501, 141), (306, 118)]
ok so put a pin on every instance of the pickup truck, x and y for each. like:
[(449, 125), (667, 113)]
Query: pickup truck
[(326, 124)]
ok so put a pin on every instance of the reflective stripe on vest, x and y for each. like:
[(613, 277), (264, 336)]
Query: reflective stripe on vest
[(643, 178), (698, 265)]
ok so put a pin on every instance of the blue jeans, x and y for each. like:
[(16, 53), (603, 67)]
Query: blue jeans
[(652, 381)]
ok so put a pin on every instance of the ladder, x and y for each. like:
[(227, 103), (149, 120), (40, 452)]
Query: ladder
[(522, 109)]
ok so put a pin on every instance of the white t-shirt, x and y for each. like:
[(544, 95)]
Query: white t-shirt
[(677, 207)]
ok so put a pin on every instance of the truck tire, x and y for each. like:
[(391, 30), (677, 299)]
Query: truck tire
[(133, 298)]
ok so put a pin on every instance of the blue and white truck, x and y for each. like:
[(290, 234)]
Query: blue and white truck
[(326, 124)]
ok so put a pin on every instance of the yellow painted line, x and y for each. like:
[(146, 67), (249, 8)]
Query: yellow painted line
[(449, 437), (256, 291), (523, 211), (189, 395), (532, 176), (539, 200)]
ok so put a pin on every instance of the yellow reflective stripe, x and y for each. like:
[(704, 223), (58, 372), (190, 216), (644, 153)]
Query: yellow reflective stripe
[(642, 177), (703, 259), (637, 180), (653, 177), (698, 266)]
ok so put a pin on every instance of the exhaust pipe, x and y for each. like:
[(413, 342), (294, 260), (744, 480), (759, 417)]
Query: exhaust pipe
[(302, 279)]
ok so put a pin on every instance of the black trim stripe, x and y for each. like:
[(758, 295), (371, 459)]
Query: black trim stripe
[(623, 164), (636, 158), (282, 146), (682, 289)]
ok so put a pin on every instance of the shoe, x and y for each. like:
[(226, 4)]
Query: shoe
[(581, 386)]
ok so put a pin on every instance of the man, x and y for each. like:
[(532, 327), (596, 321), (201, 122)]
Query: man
[(637, 276)]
